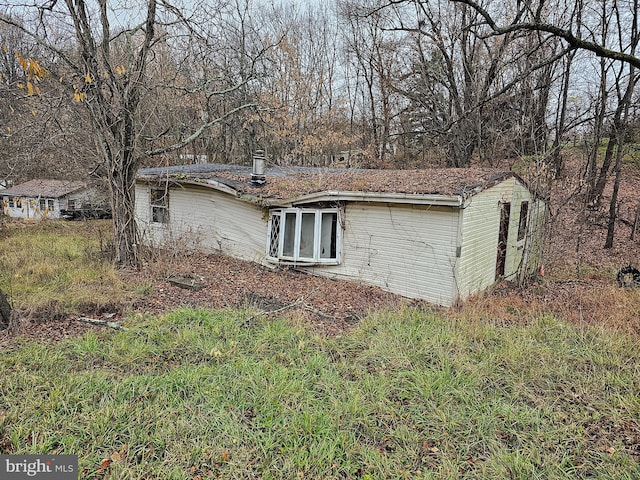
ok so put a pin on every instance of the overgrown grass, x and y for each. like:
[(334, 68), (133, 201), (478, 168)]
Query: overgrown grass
[(56, 265), (198, 394)]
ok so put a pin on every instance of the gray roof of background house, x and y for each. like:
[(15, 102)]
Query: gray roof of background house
[(44, 188)]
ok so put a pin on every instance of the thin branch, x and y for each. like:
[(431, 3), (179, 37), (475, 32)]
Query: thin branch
[(198, 133), (568, 36)]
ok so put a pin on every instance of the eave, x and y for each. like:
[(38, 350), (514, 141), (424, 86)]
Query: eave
[(374, 197)]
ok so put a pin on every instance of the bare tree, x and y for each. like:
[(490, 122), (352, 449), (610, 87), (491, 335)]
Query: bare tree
[(469, 92), (532, 16), (110, 73)]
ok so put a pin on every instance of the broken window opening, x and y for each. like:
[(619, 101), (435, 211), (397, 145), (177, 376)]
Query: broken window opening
[(522, 223), (159, 202)]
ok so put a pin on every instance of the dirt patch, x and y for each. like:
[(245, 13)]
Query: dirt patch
[(331, 306)]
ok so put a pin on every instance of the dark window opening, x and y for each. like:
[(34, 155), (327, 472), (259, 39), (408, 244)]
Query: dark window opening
[(522, 225), (159, 201)]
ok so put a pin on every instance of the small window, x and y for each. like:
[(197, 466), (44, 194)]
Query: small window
[(522, 224), (304, 235), (11, 201), (43, 204), (159, 202), (71, 204), (50, 204)]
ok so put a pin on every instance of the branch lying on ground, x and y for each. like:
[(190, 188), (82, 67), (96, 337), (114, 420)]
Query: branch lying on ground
[(94, 321), (299, 302)]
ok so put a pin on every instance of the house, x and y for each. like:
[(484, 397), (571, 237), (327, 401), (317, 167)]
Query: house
[(46, 198), (438, 235)]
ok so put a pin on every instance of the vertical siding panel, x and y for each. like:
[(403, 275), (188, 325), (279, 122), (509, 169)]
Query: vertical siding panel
[(480, 228), (206, 220), (403, 249)]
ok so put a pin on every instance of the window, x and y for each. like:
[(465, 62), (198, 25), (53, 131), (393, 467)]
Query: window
[(45, 204), (159, 202), (522, 224), (304, 235)]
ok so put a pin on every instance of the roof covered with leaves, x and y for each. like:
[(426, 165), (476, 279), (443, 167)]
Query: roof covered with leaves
[(287, 183), (44, 188)]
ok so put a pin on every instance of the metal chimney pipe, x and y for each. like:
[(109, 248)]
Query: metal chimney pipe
[(257, 174)]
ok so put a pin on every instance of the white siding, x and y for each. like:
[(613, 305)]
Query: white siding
[(30, 208), (206, 220), (480, 229), (87, 197), (403, 249)]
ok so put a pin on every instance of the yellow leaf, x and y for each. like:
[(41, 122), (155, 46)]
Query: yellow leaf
[(9, 129), (20, 85), (30, 88), (87, 78), (33, 112), (225, 455), (38, 91), (4, 48)]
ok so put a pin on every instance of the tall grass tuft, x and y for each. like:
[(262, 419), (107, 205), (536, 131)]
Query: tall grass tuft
[(58, 266)]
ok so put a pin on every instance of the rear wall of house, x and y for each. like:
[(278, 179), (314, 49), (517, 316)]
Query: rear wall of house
[(480, 230), (206, 220), (409, 250)]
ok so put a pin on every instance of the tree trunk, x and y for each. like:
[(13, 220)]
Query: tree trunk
[(125, 231), (613, 207), (595, 194), (5, 311)]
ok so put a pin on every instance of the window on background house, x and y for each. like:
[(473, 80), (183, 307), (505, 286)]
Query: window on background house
[(50, 204), (522, 224), (304, 235), (43, 204), (159, 203)]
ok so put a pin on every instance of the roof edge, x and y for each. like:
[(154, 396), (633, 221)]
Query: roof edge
[(382, 197)]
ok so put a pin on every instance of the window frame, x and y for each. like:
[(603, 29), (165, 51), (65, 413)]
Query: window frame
[(277, 240), (155, 206), (523, 220)]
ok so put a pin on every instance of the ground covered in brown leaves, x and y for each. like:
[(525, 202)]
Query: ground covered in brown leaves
[(331, 306)]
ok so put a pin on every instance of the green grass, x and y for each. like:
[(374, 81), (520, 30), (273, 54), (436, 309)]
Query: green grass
[(198, 394), (58, 266)]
